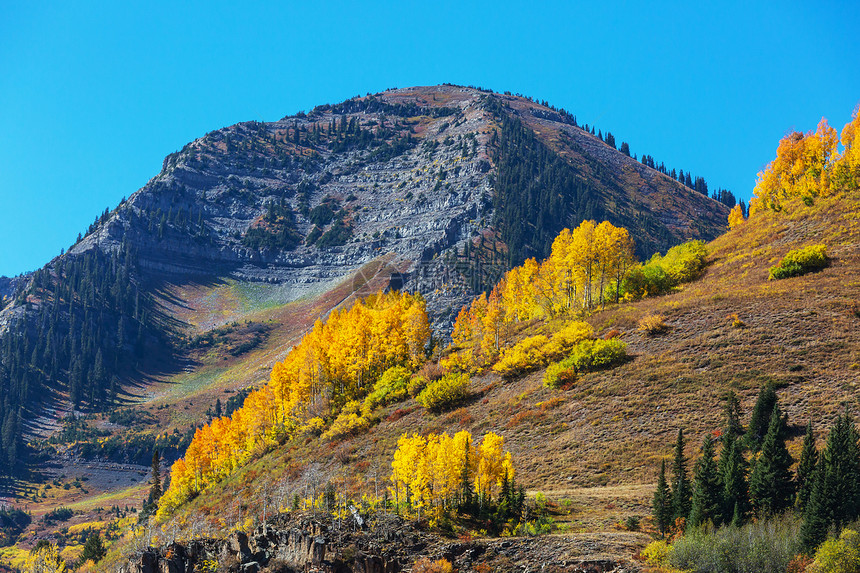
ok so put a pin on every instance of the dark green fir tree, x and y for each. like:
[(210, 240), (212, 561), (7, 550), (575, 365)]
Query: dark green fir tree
[(662, 503), (707, 490), (734, 470), (806, 469), (760, 417), (681, 493), (771, 482)]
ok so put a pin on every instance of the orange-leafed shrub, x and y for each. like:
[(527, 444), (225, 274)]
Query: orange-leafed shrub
[(653, 324), (424, 565)]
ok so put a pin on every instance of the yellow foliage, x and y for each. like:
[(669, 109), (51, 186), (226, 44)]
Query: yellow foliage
[(46, 560), (334, 364), (87, 526), (449, 389), (799, 262), (585, 268), (809, 166), (349, 422), (528, 354), (430, 472), (736, 217), (656, 553), (652, 324), (314, 426), (460, 361), (567, 339), (838, 555)]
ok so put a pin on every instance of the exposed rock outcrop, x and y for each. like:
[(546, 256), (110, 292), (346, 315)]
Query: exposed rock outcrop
[(304, 544)]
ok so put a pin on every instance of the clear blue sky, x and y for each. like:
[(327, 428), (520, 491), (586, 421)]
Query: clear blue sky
[(93, 95)]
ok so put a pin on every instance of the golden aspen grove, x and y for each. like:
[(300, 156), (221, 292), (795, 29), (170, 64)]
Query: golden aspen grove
[(810, 165), (586, 268), (439, 470), (336, 363)]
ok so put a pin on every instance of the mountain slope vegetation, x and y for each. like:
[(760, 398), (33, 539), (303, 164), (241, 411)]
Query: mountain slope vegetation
[(734, 329), (433, 180)]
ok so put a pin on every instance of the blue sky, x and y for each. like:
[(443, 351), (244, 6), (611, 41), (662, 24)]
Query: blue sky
[(94, 95)]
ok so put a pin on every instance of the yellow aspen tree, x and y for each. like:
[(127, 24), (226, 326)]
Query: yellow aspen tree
[(462, 332), (494, 325), (736, 217), (847, 168), (558, 267), (491, 464), (46, 560), (582, 260), (417, 331)]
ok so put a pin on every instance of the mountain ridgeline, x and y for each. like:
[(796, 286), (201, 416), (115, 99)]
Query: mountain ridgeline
[(452, 185)]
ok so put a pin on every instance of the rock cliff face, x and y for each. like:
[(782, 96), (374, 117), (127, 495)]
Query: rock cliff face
[(389, 546), (310, 198)]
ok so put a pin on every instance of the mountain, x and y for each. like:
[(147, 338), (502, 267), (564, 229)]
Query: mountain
[(590, 451), (431, 189)]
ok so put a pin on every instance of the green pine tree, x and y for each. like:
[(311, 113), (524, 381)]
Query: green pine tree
[(662, 504), (155, 484), (94, 549), (771, 482), (817, 515), (843, 470), (760, 417), (707, 489), (734, 469), (806, 469), (680, 482), (733, 428)]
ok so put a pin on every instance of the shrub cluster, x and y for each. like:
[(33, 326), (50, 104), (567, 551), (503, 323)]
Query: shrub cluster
[(391, 387), (528, 354), (351, 421), (588, 355), (682, 263), (766, 546), (652, 325), (799, 262), (448, 390), (536, 351)]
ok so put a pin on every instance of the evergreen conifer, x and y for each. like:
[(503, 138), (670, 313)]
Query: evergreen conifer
[(680, 482), (707, 498), (662, 504), (806, 468), (771, 482)]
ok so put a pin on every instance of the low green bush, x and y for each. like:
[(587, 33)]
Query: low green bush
[(799, 262), (662, 273), (587, 356), (448, 390), (560, 374), (839, 555), (391, 387), (596, 354), (765, 546)]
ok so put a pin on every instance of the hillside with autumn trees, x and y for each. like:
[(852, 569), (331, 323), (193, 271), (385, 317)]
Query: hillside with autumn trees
[(548, 405), (587, 345)]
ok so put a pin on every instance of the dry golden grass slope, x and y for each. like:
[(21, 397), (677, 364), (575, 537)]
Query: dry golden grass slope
[(594, 449)]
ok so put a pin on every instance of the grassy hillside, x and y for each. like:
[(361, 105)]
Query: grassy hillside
[(594, 449)]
